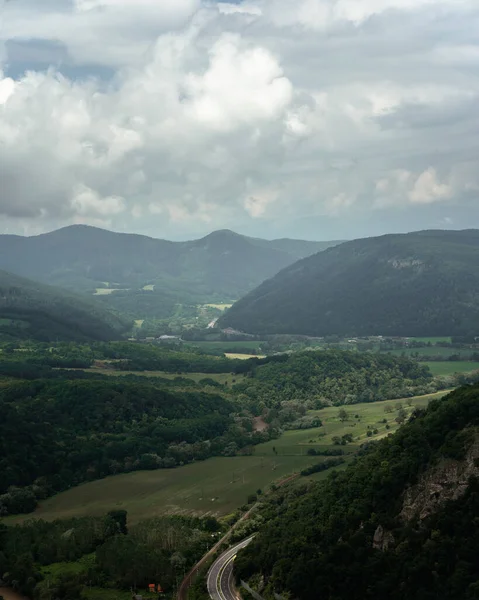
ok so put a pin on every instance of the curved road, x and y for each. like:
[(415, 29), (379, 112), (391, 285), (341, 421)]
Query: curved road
[(220, 580)]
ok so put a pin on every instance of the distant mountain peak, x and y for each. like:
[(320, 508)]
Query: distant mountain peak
[(222, 233)]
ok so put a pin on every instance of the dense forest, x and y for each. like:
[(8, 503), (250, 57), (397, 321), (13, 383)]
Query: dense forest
[(103, 427), (400, 522), (333, 377), (30, 310), (61, 559), (417, 284)]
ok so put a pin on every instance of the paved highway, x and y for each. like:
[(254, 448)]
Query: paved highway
[(220, 577)]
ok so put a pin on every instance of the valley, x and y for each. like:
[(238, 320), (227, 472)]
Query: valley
[(217, 486), (166, 418), (239, 300)]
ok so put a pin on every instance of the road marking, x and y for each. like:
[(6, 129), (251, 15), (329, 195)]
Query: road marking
[(221, 573), (227, 557)]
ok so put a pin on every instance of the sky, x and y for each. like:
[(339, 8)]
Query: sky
[(317, 119)]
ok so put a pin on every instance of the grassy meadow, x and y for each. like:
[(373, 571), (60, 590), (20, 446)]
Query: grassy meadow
[(216, 486), (451, 367), (370, 415), (219, 485), (431, 351)]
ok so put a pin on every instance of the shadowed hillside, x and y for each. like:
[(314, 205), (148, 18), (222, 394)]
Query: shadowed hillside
[(423, 283), (30, 310)]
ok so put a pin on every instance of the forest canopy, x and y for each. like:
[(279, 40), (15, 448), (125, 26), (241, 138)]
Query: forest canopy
[(357, 536)]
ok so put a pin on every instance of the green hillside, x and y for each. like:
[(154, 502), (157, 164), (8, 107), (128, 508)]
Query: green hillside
[(399, 522), (30, 310), (417, 284), (102, 427), (222, 265)]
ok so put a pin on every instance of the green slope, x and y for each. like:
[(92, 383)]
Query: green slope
[(30, 310), (418, 284)]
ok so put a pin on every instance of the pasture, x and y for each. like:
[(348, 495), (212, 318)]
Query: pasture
[(432, 351), (450, 367), (216, 486), (371, 415)]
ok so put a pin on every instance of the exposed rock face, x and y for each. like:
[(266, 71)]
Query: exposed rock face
[(405, 263), (382, 539), (447, 481)]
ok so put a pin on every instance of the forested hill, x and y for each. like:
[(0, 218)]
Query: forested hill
[(332, 377), (401, 522), (417, 284), (102, 427), (30, 310), (84, 258)]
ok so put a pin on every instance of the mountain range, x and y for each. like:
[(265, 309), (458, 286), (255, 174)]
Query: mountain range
[(417, 284), (223, 265)]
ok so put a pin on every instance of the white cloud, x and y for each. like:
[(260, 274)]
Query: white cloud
[(428, 188), (402, 186), (257, 202), (88, 202), (224, 116), (240, 87), (325, 14)]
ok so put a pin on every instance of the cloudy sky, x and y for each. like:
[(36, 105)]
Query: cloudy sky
[(304, 118)]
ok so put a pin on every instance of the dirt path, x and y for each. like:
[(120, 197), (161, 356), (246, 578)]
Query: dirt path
[(259, 424)]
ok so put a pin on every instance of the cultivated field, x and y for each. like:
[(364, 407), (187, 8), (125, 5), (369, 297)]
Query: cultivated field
[(224, 346), (218, 306), (243, 356), (105, 291), (216, 486)]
